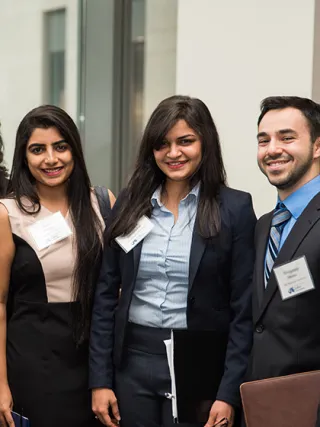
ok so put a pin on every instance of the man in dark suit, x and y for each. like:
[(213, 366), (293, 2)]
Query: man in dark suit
[(286, 294)]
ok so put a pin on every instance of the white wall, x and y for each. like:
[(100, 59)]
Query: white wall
[(233, 53), (160, 53), (229, 53), (21, 53)]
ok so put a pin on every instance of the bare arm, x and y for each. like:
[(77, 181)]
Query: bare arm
[(7, 251), (112, 198)]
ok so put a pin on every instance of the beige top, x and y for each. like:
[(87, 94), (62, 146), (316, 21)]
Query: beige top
[(58, 260)]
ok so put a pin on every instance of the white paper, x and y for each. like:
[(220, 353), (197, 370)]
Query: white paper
[(50, 230), (170, 357), (294, 278), (129, 241)]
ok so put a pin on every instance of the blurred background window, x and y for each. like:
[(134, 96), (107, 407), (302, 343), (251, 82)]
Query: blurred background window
[(108, 63), (55, 47), (128, 65)]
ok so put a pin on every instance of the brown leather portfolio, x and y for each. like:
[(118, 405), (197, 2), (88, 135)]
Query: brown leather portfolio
[(288, 401)]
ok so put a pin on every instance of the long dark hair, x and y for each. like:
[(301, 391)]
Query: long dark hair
[(147, 176), (86, 223), (3, 172)]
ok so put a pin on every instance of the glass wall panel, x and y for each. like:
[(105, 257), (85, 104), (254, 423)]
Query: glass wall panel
[(128, 62), (137, 72), (38, 51), (150, 70), (96, 91)]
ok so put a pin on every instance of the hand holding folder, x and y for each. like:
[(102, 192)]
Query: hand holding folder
[(224, 422), (221, 415), (19, 420)]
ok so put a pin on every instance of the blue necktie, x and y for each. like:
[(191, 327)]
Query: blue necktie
[(280, 218)]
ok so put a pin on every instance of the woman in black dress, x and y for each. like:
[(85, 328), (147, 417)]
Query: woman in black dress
[(50, 247)]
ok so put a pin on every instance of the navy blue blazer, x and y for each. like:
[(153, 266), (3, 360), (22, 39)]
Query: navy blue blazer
[(219, 295)]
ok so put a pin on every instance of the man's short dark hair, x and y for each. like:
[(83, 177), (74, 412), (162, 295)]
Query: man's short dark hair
[(309, 108)]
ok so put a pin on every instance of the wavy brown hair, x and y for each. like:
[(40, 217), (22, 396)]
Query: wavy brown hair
[(147, 177)]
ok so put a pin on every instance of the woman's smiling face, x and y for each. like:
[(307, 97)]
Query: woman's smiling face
[(180, 154), (49, 157)]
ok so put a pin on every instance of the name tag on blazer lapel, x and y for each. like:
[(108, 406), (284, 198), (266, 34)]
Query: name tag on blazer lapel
[(294, 278), (141, 230)]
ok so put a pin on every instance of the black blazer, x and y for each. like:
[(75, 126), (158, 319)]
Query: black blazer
[(287, 333), (219, 295)]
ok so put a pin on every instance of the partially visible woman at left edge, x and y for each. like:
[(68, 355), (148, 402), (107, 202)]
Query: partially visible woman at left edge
[(3, 172), (50, 251)]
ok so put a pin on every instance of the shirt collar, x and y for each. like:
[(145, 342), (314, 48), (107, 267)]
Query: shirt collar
[(298, 201), (155, 198)]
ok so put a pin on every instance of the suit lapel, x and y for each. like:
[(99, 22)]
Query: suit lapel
[(262, 236), (198, 246), (301, 228)]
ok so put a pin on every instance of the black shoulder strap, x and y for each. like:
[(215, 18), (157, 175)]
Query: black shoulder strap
[(104, 203)]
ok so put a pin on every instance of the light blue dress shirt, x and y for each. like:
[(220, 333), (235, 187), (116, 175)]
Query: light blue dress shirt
[(161, 290), (297, 202)]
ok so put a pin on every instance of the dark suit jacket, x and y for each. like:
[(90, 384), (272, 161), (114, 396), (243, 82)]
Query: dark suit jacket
[(287, 333), (219, 295)]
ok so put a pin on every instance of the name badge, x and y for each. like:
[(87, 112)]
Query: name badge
[(294, 278), (49, 230), (129, 241)]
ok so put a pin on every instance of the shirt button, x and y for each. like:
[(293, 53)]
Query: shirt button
[(192, 300), (259, 329)]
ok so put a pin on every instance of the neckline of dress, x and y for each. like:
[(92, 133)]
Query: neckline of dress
[(52, 213)]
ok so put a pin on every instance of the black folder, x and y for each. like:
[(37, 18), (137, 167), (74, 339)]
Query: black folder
[(198, 360), (19, 420)]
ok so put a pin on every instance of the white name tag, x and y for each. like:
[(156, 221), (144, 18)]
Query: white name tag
[(294, 278), (49, 230), (129, 241)]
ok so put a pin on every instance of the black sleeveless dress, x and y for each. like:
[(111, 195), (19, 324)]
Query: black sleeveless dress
[(47, 373)]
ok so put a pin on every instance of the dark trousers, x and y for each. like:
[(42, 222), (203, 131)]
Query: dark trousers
[(141, 385)]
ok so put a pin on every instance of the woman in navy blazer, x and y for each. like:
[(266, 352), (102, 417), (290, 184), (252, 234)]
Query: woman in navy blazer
[(192, 270)]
